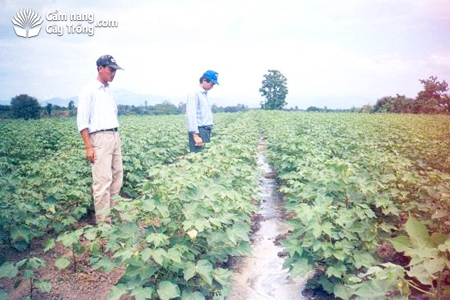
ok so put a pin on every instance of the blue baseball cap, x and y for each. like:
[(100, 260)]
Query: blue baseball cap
[(211, 75)]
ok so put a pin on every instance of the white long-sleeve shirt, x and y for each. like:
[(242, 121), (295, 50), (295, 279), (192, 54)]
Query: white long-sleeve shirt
[(97, 109), (198, 110)]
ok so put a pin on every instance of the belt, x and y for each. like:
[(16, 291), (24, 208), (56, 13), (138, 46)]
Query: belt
[(110, 129), (206, 127)]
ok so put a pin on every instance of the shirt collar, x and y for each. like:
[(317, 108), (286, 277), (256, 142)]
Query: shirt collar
[(202, 90), (100, 85)]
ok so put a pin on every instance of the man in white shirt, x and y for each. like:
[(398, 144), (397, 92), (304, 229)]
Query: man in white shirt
[(199, 115), (98, 125)]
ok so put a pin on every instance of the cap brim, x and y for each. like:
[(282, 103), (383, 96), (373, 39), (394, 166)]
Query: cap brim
[(116, 67)]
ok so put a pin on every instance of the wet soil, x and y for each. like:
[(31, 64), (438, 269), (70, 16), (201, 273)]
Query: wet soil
[(261, 276)]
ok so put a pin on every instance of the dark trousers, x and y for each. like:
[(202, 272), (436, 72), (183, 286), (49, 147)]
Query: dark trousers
[(205, 134)]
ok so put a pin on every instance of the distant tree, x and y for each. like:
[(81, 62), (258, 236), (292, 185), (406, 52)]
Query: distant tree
[(165, 108), (433, 98), (312, 108), (182, 108), (24, 106), (48, 108), (4, 111), (398, 104), (71, 105), (366, 109), (274, 89)]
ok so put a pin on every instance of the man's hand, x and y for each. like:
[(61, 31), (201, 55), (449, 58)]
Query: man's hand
[(90, 154), (198, 142)]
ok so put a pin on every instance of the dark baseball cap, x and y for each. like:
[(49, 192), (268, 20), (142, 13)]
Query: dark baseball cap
[(211, 75), (108, 60)]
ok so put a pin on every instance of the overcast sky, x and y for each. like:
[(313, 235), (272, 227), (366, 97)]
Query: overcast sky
[(333, 53)]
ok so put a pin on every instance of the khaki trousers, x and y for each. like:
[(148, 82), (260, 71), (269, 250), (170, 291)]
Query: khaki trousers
[(107, 172)]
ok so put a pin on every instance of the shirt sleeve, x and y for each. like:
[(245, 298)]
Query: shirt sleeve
[(191, 112), (83, 111)]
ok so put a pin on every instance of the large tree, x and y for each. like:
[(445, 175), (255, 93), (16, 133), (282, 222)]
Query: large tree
[(24, 106), (274, 89), (433, 98)]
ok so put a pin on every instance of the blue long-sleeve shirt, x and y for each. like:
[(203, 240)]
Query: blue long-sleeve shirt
[(198, 110)]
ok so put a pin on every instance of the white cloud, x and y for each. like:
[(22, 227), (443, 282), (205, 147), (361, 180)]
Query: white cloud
[(441, 59)]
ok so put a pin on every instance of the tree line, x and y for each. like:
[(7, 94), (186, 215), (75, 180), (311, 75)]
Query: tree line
[(433, 99), (27, 107)]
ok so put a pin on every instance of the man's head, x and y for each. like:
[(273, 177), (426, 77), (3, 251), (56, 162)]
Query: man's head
[(107, 67), (208, 79)]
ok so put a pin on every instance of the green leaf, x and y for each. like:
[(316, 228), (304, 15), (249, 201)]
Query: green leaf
[(445, 247), (204, 269), (192, 296), (3, 295), (167, 290), (35, 263), (117, 292), (239, 232), (222, 276), (339, 254), (44, 286), (128, 230), (20, 233), (17, 283), (142, 293), (158, 255), (8, 270), (62, 263), (141, 269), (28, 274), (401, 243), (421, 274), (337, 270), (371, 290), (200, 224), (163, 210), (189, 270), (300, 268), (68, 239), (157, 239), (417, 232), (342, 292), (49, 244), (146, 254), (434, 266), (124, 254), (174, 254), (364, 259), (104, 264), (91, 234), (147, 186)]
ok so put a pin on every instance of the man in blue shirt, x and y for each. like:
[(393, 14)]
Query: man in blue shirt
[(199, 116)]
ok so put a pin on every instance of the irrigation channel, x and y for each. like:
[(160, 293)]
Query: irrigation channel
[(261, 276)]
